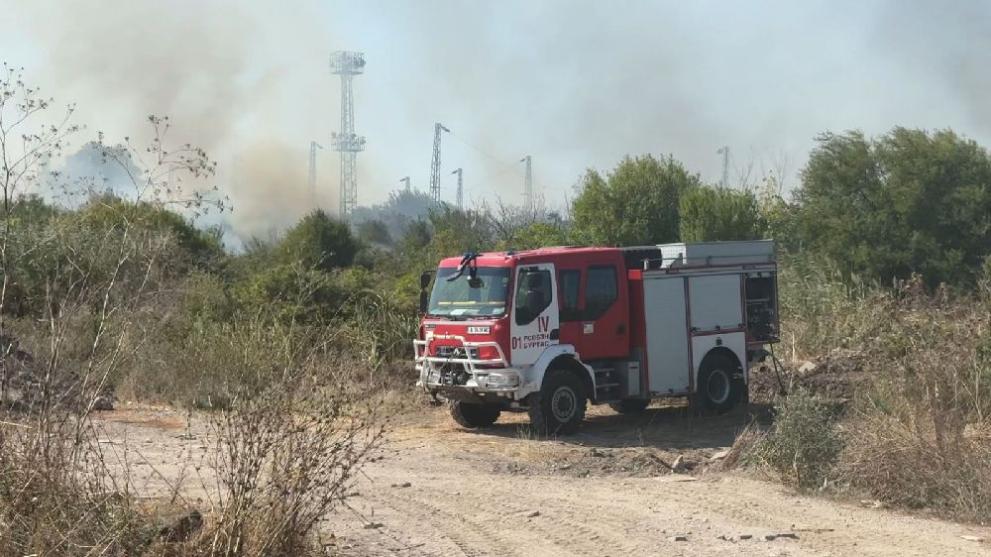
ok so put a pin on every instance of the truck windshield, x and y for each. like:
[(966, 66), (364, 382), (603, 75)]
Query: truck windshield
[(457, 298)]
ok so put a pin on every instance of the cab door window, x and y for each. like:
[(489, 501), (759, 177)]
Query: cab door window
[(533, 294), (568, 285), (600, 292)]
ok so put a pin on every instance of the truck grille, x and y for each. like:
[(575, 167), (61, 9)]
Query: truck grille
[(456, 352)]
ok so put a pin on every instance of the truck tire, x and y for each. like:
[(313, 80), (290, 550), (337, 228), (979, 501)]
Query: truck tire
[(472, 416), (559, 407), (630, 406), (717, 390)]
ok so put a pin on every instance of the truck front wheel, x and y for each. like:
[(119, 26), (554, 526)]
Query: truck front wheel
[(559, 407), (472, 416)]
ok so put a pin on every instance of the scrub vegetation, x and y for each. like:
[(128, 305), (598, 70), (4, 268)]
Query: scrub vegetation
[(290, 343)]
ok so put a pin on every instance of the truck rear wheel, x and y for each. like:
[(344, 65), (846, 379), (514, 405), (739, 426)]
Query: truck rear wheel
[(472, 415), (559, 407), (630, 406), (717, 390)]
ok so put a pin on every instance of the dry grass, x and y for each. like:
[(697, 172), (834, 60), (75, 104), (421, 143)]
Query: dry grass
[(912, 433), (57, 496), (285, 458), (906, 466)]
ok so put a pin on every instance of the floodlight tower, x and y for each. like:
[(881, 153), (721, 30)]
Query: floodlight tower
[(347, 65), (435, 163), (312, 178), (461, 192), (528, 184), (406, 182)]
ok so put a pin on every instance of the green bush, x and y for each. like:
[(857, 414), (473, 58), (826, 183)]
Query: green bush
[(318, 242), (804, 443), (291, 293), (197, 248)]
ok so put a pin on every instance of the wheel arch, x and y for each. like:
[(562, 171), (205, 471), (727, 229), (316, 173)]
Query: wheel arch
[(564, 356), (715, 353), (571, 363)]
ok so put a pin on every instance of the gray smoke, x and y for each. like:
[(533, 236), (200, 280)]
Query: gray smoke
[(210, 69), (575, 84)]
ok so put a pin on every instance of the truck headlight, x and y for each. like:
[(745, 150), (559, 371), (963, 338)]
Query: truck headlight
[(502, 379)]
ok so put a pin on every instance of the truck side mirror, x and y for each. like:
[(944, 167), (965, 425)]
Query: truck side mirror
[(425, 280), (424, 300)]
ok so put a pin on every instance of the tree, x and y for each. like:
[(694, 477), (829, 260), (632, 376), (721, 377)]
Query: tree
[(638, 203), (401, 209), (319, 242), (374, 232), (456, 232), (908, 202), (712, 213), (537, 235)]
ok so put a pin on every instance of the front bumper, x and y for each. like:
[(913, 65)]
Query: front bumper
[(462, 370)]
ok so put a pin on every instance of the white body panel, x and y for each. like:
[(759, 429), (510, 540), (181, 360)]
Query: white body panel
[(702, 345), (716, 302), (704, 254), (667, 335)]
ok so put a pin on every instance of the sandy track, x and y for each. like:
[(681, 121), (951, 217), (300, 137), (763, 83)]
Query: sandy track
[(474, 494), (502, 493)]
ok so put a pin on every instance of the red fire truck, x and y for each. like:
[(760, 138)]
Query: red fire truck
[(548, 330)]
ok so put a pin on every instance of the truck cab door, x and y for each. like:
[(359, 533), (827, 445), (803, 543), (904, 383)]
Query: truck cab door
[(605, 316), (535, 319)]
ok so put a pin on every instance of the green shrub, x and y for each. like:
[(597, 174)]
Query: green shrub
[(318, 242), (291, 293), (804, 443)]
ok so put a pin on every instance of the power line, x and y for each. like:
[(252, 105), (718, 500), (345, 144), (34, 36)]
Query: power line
[(482, 152)]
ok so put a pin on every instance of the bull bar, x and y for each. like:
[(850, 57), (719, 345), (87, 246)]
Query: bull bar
[(483, 373)]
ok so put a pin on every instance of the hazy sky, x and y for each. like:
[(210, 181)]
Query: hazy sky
[(574, 84)]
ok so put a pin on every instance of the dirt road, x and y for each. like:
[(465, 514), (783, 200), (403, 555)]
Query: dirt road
[(441, 490)]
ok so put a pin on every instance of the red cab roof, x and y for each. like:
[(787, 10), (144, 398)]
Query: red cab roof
[(510, 258)]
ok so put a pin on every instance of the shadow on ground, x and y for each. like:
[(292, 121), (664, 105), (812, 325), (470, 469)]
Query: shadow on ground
[(669, 428)]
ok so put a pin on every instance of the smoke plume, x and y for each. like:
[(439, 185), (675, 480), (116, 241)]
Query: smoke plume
[(575, 84)]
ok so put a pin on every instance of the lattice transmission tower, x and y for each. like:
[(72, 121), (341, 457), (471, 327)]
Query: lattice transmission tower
[(724, 151), (461, 191), (528, 201), (405, 181), (435, 163), (347, 65), (312, 177)]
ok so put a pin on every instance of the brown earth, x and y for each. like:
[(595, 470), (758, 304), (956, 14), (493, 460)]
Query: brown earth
[(441, 490)]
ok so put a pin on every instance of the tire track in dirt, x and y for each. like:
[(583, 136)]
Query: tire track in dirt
[(472, 538), (574, 536)]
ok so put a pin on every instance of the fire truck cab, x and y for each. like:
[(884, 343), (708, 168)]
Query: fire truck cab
[(549, 330)]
